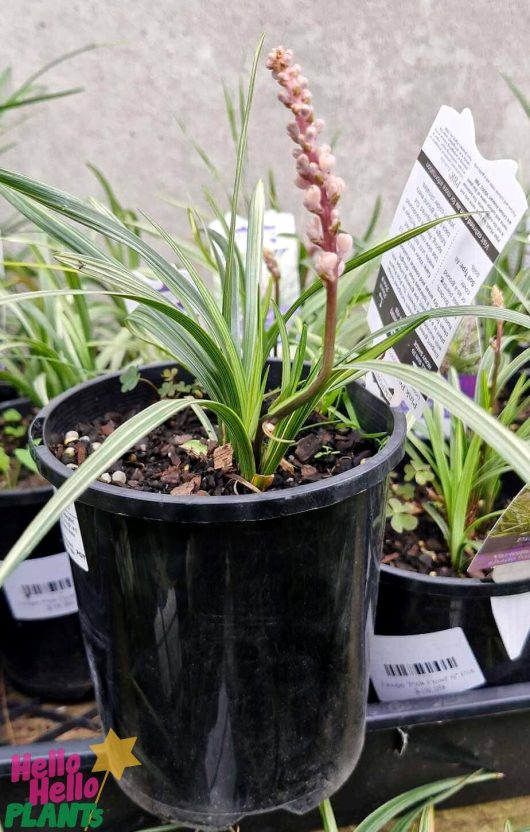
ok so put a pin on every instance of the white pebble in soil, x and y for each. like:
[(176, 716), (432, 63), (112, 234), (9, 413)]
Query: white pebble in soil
[(71, 436), (105, 478), (95, 445), (69, 453), (119, 478)]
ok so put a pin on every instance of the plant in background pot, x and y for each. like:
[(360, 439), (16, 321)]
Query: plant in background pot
[(454, 487), (226, 560), (47, 346), (41, 646)]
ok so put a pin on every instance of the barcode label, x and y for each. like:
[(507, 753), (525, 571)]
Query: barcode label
[(429, 664), (421, 668), (41, 588), (51, 586)]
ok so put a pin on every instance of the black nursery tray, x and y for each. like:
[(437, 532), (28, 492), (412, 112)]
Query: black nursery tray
[(407, 744)]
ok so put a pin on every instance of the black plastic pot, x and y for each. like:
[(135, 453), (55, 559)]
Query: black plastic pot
[(7, 392), (43, 656), (412, 604), (229, 634)]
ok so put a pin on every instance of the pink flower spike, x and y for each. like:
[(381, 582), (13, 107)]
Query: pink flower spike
[(314, 165)]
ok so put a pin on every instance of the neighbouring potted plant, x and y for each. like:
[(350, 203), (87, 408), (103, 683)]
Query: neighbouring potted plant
[(41, 646), (227, 571), (45, 349), (450, 493)]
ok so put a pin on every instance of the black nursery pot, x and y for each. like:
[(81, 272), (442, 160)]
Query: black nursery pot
[(7, 392), (229, 634), (413, 604), (42, 656)]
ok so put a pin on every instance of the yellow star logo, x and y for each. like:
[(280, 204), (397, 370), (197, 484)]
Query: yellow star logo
[(114, 755)]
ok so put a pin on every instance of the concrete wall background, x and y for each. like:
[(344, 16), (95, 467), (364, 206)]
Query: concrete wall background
[(379, 70)]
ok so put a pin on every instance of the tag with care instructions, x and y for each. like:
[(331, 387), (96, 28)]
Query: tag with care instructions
[(41, 588), (447, 265), (72, 537), (429, 664)]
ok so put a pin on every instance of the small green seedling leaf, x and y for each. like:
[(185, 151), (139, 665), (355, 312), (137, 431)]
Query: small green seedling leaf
[(17, 431), (5, 462), (420, 472), (11, 415), (403, 522), (406, 491), (326, 451), (195, 448), (25, 458), (129, 379)]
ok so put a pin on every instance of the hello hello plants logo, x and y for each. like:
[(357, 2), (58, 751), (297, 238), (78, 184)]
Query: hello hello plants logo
[(60, 795)]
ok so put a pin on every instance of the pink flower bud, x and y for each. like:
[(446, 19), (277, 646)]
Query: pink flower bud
[(326, 263), (334, 188), (304, 111), (302, 183), (293, 131), (344, 244), (326, 160), (314, 231), (302, 164), (312, 199)]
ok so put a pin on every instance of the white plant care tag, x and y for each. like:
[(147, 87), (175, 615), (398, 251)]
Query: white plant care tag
[(72, 537), (158, 286), (512, 617), (41, 588), (447, 265), (512, 612), (430, 664), (279, 231)]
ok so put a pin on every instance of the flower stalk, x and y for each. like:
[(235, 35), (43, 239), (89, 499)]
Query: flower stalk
[(328, 245)]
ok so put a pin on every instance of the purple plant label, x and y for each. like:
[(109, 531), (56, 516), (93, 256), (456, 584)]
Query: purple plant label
[(509, 539), (447, 265)]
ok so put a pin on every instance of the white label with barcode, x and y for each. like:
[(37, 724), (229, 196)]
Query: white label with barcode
[(41, 588), (72, 537), (429, 664)]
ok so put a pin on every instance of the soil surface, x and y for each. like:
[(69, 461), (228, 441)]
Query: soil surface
[(178, 459), (422, 549), (14, 436)]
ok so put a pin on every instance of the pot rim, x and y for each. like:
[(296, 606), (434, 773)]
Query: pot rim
[(440, 585), (198, 509)]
